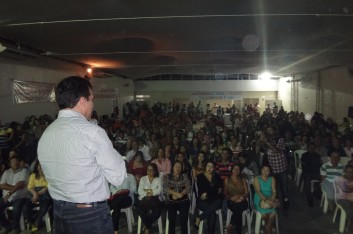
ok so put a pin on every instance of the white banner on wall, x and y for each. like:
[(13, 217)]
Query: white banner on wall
[(214, 95)]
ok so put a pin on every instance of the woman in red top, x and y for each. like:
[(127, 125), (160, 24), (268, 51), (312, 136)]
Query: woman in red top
[(138, 166)]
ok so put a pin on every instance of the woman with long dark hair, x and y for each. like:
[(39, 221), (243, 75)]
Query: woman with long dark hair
[(209, 196), (38, 187)]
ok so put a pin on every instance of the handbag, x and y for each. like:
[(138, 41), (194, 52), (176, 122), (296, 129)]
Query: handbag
[(268, 204), (119, 193)]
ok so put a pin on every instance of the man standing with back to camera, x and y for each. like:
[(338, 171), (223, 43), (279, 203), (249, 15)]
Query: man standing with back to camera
[(79, 161)]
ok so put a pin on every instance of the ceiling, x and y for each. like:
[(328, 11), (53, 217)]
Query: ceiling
[(139, 39)]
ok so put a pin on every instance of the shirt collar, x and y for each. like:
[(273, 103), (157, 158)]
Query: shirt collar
[(70, 113)]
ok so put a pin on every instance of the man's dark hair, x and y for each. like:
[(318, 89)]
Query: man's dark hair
[(69, 91)]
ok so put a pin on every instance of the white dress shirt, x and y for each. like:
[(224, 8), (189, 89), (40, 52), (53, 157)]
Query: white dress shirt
[(145, 183), (146, 152), (79, 160), (12, 178)]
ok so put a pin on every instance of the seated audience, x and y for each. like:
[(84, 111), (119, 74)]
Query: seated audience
[(134, 148), (138, 166), (150, 207), (336, 147), (344, 194), (38, 187), (223, 166), (209, 196), (265, 191), (348, 149), (186, 165), (250, 168), (198, 165), (122, 197), (144, 148), (14, 185), (329, 171), (176, 187), (163, 163), (236, 193)]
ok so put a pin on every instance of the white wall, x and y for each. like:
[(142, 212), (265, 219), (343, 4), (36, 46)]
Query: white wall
[(284, 93), (124, 92), (336, 92), (52, 71), (179, 91), (206, 85), (39, 70), (329, 91)]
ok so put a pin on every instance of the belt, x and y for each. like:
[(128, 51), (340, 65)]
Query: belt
[(85, 204), (88, 204)]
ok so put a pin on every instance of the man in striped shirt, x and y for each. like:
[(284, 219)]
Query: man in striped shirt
[(329, 171)]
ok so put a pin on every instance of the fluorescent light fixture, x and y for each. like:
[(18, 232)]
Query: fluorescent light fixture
[(143, 96), (265, 76), (2, 48)]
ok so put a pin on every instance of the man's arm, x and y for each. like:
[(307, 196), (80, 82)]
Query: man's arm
[(13, 188), (108, 159)]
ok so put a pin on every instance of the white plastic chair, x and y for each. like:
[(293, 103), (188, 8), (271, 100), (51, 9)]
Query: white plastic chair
[(160, 225), (298, 165), (167, 223), (129, 217), (246, 218), (345, 160), (324, 202), (22, 220), (219, 213), (258, 222), (343, 212)]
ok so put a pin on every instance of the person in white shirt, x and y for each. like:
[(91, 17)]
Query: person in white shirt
[(79, 162), (14, 185), (144, 149), (150, 207), (131, 154)]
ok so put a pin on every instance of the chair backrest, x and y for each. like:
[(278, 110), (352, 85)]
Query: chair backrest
[(325, 159), (297, 156), (251, 190), (345, 160), (335, 190)]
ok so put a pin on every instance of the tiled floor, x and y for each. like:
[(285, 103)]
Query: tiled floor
[(301, 219)]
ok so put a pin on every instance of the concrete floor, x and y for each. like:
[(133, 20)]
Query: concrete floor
[(301, 220)]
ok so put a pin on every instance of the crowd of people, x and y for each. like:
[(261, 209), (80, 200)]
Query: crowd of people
[(176, 155)]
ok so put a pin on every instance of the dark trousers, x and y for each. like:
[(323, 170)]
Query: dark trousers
[(149, 211), (183, 208), (70, 218), (208, 209), (307, 177), (44, 206), (116, 204), (282, 187), (237, 208), (17, 205)]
